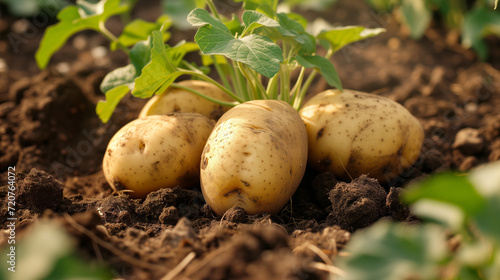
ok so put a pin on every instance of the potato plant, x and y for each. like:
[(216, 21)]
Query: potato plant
[(256, 156)]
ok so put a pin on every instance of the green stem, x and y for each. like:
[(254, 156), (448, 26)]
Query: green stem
[(249, 80), (213, 9), (221, 74), (210, 80), (217, 101), (296, 97), (239, 78), (272, 88), (285, 83), (110, 36)]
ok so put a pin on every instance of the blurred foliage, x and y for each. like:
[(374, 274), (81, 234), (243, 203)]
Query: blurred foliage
[(23, 8), (47, 252), (459, 237), (474, 21)]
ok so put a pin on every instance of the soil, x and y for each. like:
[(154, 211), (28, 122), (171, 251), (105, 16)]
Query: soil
[(50, 133)]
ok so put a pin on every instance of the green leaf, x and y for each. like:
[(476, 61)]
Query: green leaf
[(264, 6), (120, 76), (71, 22), (156, 75), (139, 30), (417, 15), (448, 188), (257, 51), (324, 66), (342, 36), (478, 23), (178, 10), (140, 54), (105, 109), (394, 251), (253, 19)]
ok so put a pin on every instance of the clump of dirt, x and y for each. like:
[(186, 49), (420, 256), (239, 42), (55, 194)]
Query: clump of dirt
[(39, 191), (357, 204)]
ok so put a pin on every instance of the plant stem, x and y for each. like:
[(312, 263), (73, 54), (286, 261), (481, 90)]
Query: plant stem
[(213, 9), (221, 74), (110, 36), (296, 96)]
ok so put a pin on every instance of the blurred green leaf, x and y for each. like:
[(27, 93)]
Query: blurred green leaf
[(105, 108), (47, 252), (139, 30), (445, 214), (324, 66), (417, 15), (488, 220), (140, 54), (178, 11), (478, 23), (25, 8), (393, 251), (71, 22), (342, 36), (448, 188)]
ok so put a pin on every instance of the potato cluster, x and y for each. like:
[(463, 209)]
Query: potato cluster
[(255, 156)]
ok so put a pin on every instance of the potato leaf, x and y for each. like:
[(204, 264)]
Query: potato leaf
[(324, 66), (342, 36), (394, 251), (140, 54), (264, 6), (478, 23), (178, 11), (417, 15), (448, 188), (71, 22), (253, 19), (105, 108), (120, 76), (257, 51), (139, 30), (158, 74)]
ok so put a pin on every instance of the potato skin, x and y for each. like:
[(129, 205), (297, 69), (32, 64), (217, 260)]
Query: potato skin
[(353, 133), (160, 151), (255, 158), (179, 100)]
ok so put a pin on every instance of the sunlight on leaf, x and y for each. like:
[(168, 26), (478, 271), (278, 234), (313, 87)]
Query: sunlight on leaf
[(448, 188), (120, 76), (341, 36)]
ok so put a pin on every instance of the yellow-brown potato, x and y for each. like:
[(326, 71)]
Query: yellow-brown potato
[(180, 100), (255, 158), (161, 151), (353, 133)]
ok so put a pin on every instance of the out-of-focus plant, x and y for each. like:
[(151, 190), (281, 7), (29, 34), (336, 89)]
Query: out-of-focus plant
[(23, 8), (474, 22), (47, 252), (459, 237)]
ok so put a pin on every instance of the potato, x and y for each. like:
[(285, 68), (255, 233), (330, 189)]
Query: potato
[(180, 100), (154, 152), (353, 133), (254, 158)]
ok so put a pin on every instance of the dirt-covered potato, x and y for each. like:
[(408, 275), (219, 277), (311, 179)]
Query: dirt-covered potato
[(353, 133), (180, 100), (154, 152), (255, 158)]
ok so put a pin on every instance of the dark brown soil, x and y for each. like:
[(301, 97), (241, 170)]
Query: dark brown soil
[(50, 133)]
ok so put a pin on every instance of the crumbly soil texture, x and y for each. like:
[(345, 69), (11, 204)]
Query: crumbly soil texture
[(50, 133)]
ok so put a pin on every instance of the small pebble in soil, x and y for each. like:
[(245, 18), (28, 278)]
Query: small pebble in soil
[(39, 191), (357, 204), (469, 141)]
